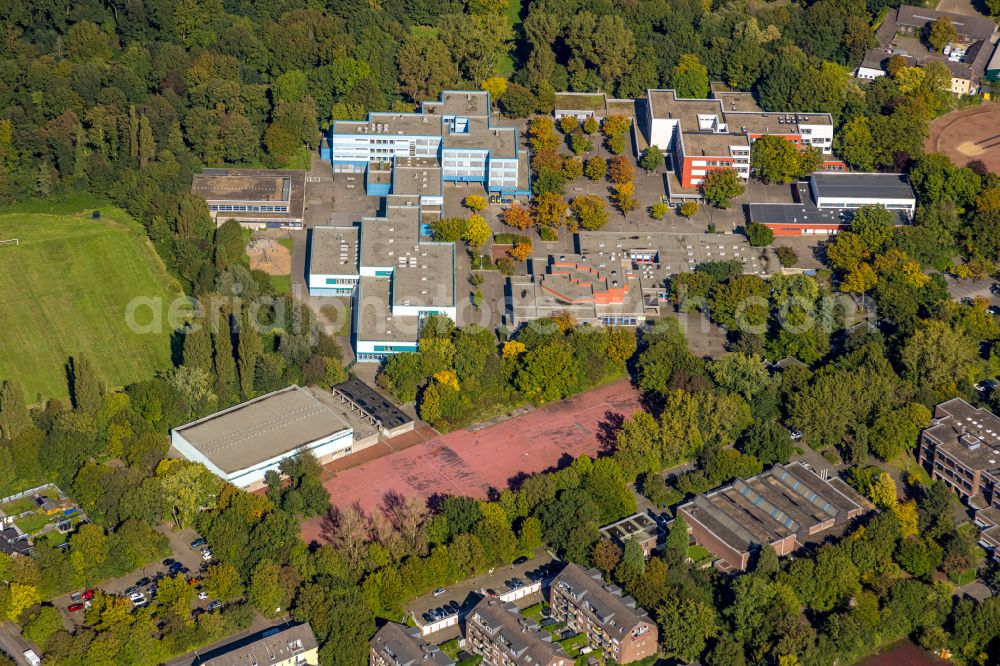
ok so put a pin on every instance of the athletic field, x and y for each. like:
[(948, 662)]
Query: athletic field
[(65, 287)]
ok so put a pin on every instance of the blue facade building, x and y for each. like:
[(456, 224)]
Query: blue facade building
[(455, 131)]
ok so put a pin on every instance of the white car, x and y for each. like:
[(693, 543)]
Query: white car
[(138, 598), (202, 595), (206, 554)]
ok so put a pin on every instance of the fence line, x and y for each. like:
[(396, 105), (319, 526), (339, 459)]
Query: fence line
[(30, 491)]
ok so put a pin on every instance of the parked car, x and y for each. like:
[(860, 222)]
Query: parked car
[(143, 582), (206, 554), (202, 595), (32, 658), (491, 593), (175, 567), (993, 310), (198, 543), (427, 618), (521, 560), (455, 606), (438, 592), (138, 599), (132, 590), (76, 596), (215, 605), (518, 582), (169, 562), (75, 607), (87, 594)]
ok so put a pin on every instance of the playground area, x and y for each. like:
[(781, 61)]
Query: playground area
[(968, 135), (476, 462), (274, 257)]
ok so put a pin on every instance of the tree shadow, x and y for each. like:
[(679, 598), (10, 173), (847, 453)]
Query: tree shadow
[(607, 431)]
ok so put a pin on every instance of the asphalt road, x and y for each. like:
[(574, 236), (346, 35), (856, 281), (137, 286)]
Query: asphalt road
[(13, 644)]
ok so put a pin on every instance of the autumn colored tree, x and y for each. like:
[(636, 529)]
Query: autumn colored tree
[(621, 169), (474, 202), (721, 186), (550, 210), (520, 251), (624, 198), (518, 217), (596, 168), (590, 212), (568, 124)]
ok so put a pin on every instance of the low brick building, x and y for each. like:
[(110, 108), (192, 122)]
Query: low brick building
[(784, 507), (612, 623), (962, 448)]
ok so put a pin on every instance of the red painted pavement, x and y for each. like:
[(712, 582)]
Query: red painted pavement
[(472, 463)]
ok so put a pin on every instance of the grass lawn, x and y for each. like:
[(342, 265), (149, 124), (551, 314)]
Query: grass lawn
[(513, 14), (33, 523), (287, 243), (282, 283), (424, 30), (17, 506), (65, 292), (55, 537), (699, 554)]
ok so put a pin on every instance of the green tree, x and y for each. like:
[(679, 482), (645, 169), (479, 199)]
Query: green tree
[(225, 363), (678, 539), (874, 225), (223, 582), (685, 626), (249, 350), (937, 357), (425, 67), (652, 159), (477, 232), (86, 388), (774, 159), (689, 77), (14, 417), (759, 235), (721, 186), (265, 592), (548, 372), (632, 565), (941, 32), (856, 143)]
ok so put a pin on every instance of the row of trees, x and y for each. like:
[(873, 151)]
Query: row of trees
[(463, 375)]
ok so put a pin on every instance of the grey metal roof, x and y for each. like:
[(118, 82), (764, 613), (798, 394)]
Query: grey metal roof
[(855, 185), (373, 402)]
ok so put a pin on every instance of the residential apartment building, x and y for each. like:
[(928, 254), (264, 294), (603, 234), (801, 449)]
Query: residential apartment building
[(702, 135), (293, 645), (786, 507), (962, 448), (456, 133), (503, 637), (397, 645), (612, 623)]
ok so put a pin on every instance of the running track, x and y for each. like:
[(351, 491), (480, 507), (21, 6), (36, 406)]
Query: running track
[(473, 463)]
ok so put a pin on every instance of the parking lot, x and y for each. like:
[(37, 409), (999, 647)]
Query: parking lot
[(467, 593), (185, 560)]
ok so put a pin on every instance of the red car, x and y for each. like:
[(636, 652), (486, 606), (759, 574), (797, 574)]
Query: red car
[(75, 607), (87, 595)]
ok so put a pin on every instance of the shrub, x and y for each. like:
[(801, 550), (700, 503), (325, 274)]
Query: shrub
[(548, 234), (596, 168), (568, 123), (510, 239), (506, 265), (689, 208)]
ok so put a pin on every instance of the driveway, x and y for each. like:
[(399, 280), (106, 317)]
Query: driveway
[(13, 644)]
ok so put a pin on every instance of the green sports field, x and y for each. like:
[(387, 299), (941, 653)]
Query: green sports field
[(64, 291)]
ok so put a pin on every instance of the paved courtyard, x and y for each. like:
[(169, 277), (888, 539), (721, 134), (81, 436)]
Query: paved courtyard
[(475, 463)]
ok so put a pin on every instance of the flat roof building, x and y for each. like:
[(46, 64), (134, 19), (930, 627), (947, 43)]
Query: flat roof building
[(962, 448), (503, 637), (242, 443), (643, 528), (784, 507), (701, 135), (452, 139), (612, 623), (256, 198), (372, 405), (828, 201), (396, 645), (286, 646), (619, 278)]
